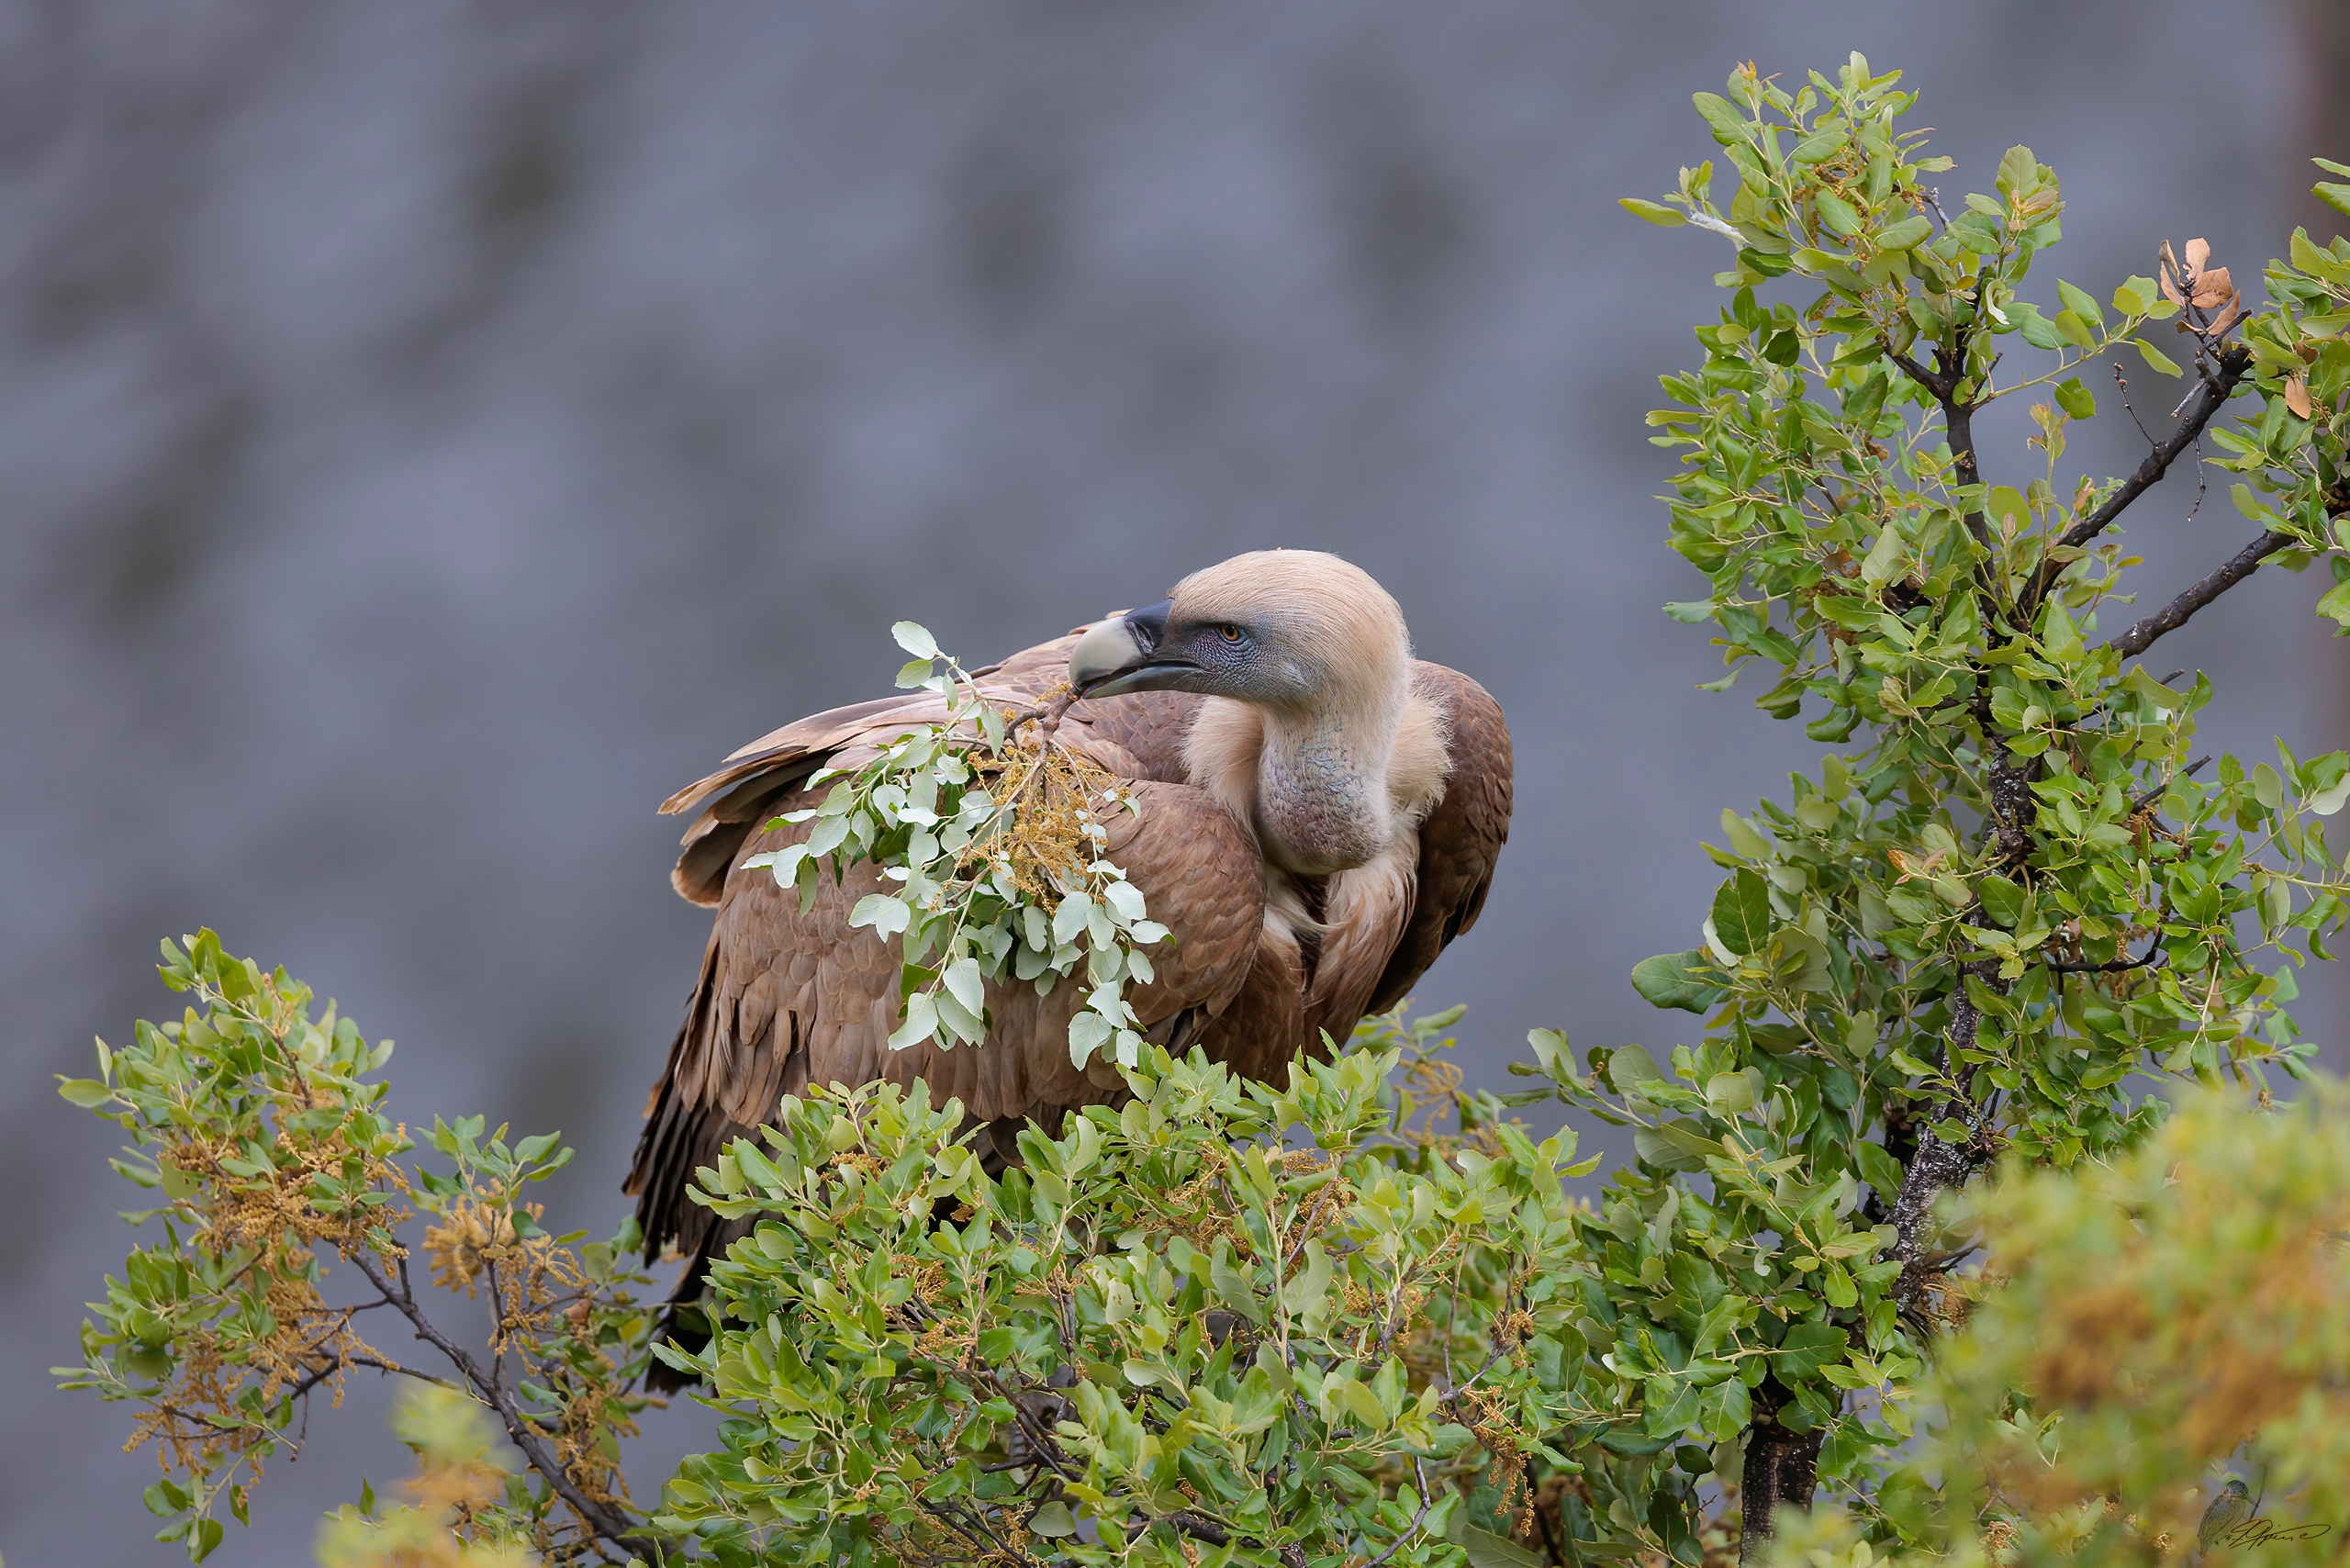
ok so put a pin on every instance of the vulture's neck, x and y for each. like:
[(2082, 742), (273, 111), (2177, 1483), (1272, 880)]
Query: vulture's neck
[(1322, 798), (1326, 788)]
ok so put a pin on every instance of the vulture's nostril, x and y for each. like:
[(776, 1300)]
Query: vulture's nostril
[(1149, 624)]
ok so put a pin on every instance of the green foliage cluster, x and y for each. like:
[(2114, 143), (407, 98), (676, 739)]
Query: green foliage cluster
[(2162, 1323), (1207, 1342), (260, 1131), (995, 842), (2004, 894), (1342, 1320)]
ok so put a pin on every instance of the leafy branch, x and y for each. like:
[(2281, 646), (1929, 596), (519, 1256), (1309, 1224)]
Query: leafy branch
[(261, 1129), (2005, 806)]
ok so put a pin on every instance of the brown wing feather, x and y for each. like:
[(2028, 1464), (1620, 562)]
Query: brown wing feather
[(1461, 838)]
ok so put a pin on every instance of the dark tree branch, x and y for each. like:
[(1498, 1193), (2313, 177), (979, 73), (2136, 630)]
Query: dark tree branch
[(1200, 1528), (2189, 772), (1919, 373), (2235, 364), (1780, 1470), (1958, 425), (1939, 1165), (2153, 955), (608, 1525), (2179, 611)]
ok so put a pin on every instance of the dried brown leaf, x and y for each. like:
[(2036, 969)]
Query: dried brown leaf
[(2213, 287), (2197, 252), (2297, 395)]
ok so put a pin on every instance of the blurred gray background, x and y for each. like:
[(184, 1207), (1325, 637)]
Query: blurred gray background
[(430, 433)]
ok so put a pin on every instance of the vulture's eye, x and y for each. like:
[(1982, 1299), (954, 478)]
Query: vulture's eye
[(1230, 632)]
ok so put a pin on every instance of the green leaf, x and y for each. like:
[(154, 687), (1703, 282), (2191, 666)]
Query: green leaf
[(2037, 329), (921, 1022), (2252, 506), (1910, 1064), (2138, 683), (1052, 1520), (1906, 234), (2006, 902), (2335, 195), (2075, 399), (1678, 1145), (1654, 212), (2155, 357), (1733, 1091), (2335, 606), (1484, 1549), (1885, 559), (2331, 799), (1743, 840), (964, 984), (2017, 167), (2006, 508), (2079, 302), (1630, 1066), (1837, 213), (1730, 126), (886, 912), (1363, 1405), (83, 1092), (1818, 149), (915, 639), (1742, 914), (1878, 1168), (1810, 1347), (1678, 980)]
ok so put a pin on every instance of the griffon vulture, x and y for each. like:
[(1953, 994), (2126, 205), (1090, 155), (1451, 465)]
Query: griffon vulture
[(1319, 814)]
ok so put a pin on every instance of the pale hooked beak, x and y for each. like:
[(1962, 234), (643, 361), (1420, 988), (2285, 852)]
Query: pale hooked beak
[(1122, 653)]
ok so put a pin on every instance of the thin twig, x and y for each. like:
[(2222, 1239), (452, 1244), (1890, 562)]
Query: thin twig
[(1046, 716), (607, 1525), (2235, 364), (2202, 481), (1408, 1531), (2122, 382)]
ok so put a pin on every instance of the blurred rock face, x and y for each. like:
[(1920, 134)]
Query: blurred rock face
[(433, 433)]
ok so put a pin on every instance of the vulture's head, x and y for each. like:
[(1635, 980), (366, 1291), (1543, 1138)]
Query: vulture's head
[(1294, 632)]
